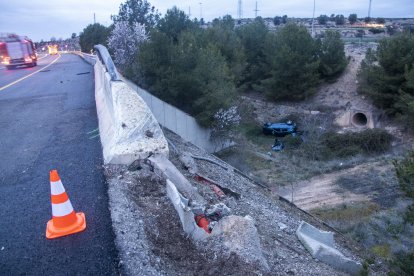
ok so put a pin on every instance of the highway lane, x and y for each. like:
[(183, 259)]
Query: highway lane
[(7, 76), (48, 121)]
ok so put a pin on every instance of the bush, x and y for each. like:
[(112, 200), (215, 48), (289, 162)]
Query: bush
[(409, 215), (403, 264), (369, 141), (376, 30), (405, 174)]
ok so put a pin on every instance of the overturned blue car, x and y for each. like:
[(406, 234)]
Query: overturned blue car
[(279, 129)]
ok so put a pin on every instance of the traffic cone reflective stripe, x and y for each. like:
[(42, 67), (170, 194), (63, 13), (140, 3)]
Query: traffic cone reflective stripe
[(64, 219)]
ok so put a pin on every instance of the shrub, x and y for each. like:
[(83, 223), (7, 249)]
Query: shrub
[(369, 141), (376, 30), (405, 174), (409, 215), (382, 250), (403, 264)]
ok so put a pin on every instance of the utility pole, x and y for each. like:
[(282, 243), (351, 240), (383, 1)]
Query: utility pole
[(369, 9), (189, 12), (313, 18), (240, 10), (94, 18), (201, 10), (255, 11)]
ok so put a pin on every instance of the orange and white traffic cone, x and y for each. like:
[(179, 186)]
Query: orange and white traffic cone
[(64, 219)]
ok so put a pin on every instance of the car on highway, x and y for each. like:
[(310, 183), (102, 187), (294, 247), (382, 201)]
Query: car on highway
[(279, 129), (16, 51)]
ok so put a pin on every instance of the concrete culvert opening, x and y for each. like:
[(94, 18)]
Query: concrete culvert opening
[(359, 119)]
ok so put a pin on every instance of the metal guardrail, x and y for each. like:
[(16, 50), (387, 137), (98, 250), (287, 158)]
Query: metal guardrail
[(106, 59)]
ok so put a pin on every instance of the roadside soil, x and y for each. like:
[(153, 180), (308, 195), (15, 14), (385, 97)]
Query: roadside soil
[(369, 182)]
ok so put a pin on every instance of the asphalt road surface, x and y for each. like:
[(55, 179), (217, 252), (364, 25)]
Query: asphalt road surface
[(48, 121)]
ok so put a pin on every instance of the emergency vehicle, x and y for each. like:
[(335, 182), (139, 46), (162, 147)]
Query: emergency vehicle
[(53, 49), (16, 51)]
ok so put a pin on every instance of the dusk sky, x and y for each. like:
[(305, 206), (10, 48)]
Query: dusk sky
[(40, 19)]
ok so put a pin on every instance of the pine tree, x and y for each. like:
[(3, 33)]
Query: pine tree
[(291, 56), (332, 55)]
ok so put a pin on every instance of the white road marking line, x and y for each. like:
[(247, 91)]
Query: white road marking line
[(25, 77)]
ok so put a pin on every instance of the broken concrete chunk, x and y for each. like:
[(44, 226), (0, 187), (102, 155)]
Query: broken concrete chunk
[(221, 209), (169, 171), (321, 246), (188, 163), (236, 234), (282, 226)]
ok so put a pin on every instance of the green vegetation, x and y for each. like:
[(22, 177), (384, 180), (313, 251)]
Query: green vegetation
[(405, 173), (200, 70), (323, 19), (253, 37), (382, 250), (291, 56), (387, 76), (403, 264), (352, 18), (92, 35), (376, 30), (340, 19), (137, 11), (346, 216), (370, 141), (180, 65), (332, 56)]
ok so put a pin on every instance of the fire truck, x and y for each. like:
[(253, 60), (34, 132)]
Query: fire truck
[(16, 51)]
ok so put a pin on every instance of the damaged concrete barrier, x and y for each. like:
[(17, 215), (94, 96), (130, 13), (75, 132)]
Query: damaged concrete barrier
[(321, 246), (230, 235), (185, 213), (127, 128), (169, 171)]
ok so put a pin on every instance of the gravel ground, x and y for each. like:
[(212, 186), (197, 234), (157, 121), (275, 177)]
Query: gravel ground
[(151, 241)]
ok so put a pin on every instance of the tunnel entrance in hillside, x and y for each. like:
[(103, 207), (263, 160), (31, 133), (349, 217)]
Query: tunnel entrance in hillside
[(359, 119)]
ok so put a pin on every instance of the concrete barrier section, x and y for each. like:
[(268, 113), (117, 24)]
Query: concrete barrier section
[(127, 128), (321, 246), (91, 59), (179, 122)]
